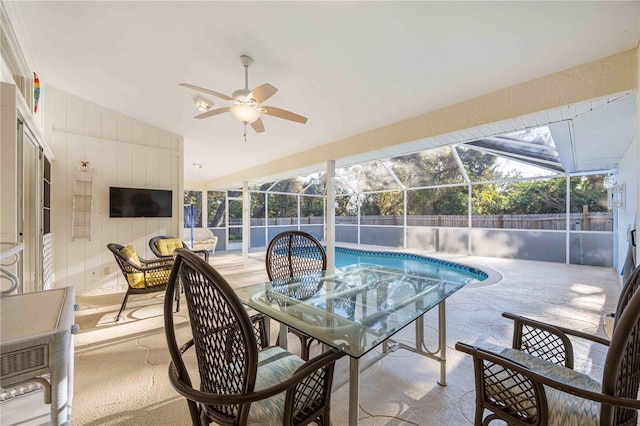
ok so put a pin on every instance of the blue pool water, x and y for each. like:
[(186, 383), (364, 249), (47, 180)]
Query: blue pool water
[(410, 262)]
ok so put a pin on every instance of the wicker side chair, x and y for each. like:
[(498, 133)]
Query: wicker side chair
[(533, 383), (142, 275), (292, 254), (241, 381), (164, 247)]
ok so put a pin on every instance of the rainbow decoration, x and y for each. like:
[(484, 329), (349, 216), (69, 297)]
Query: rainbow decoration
[(36, 92)]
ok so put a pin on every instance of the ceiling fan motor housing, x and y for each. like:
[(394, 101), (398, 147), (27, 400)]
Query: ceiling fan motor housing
[(246, 60), (241, 96)]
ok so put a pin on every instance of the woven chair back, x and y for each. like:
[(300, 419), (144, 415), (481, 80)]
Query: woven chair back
[(622, 367), (122, 260), (293, 254), (225, 344), (153, 245)]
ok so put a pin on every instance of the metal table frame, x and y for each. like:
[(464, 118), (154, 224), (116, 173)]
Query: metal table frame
[(389, 346), (250, 296)]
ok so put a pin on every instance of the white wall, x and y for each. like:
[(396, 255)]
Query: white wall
[(627, 174), (123, 152)]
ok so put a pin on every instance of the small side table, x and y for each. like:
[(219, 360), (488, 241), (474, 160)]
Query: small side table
[(35, 339)]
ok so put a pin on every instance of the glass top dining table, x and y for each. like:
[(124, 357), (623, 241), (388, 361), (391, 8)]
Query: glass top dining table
[(356, 308)]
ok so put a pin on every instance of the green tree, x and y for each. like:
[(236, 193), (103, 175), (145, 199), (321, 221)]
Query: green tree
[(588, 191), (488, 199), (193, 198), (382, 204), (478, 165), (311, 206), (545, 196), (283, 205), (346, 205), (445, 200), (216, 208)]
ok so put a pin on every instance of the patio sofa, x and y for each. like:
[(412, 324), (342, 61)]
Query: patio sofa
[(203, 239)]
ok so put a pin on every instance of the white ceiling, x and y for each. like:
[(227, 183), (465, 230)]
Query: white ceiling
[(348, 66)]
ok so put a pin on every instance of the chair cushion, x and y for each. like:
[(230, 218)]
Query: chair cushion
[(274, 366), (564, 408), (135, 279), (167, 246), (130, 253)]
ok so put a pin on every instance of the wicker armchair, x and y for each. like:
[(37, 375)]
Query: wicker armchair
[(533, 383), (164, 247), (294, 254), (241, 380), (142, 275)]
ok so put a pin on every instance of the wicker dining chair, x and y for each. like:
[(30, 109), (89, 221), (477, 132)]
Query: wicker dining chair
[(164, 247), (533, 382), (142, 275), (242, 381), (293, 254)]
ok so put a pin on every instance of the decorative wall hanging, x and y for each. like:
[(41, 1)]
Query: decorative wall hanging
[(36, 92)]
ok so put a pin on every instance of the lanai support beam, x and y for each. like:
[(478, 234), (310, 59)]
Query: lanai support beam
[(331, 215)]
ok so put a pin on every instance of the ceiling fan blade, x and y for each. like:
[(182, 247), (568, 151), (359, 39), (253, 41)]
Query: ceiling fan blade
[(281, 113), (262, 93), (210, 92), (212, 112), (258, 125)]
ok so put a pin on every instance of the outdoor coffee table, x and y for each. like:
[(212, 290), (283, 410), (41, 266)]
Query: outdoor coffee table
[(355, 309)]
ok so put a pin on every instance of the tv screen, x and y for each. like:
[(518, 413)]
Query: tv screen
[(136, 202)]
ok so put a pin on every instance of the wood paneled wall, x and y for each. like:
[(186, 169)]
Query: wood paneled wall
[(122, 152)]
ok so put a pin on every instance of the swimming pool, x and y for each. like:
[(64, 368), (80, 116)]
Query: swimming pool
[(450, 271)]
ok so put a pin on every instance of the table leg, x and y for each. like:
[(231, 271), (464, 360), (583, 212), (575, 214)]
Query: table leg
[(442, 336), (59, 377), (282, 337), (354, 391), (71, 370)]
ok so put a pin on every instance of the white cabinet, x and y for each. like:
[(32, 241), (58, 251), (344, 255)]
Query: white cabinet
[(30, 349), (82, 201)]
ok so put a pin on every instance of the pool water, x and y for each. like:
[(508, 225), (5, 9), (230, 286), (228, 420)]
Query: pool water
[(450, 271)]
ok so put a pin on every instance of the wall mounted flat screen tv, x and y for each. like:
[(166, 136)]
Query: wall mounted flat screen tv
[(137, 202)]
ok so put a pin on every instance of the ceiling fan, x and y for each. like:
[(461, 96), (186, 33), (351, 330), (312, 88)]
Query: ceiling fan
[(248, 106)]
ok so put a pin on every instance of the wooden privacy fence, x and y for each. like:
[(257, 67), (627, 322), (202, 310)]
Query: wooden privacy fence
[(282, 221), (591, 221)]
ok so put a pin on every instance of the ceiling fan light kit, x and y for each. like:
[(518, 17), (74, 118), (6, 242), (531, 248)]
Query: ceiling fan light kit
[(247, 107), (245, 113), (202, 104)]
